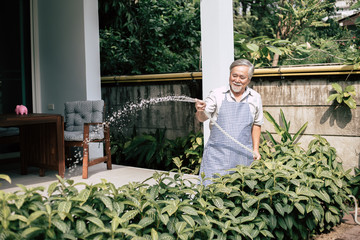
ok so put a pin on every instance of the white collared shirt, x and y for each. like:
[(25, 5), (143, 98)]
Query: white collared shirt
[(216, 97)]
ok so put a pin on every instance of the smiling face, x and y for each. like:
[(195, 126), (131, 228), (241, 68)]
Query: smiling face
[(239, 79)]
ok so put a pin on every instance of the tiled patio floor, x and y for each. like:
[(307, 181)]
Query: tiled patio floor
[(119, 176)]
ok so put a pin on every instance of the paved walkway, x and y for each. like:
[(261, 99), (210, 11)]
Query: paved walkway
[(119, 176), (347, 230)]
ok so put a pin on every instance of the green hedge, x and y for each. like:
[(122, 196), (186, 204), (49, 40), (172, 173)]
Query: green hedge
[(155, 151), (147, 36), (291, 193), (293, 197)]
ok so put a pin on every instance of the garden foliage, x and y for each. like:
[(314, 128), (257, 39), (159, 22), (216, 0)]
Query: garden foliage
[(161, 36), (355, 184), (291, 197), (343, 96), (147, 36), (298, 31), (289, 194), (155, 151)]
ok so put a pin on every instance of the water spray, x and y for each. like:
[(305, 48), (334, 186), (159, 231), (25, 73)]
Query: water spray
[(131, 107)]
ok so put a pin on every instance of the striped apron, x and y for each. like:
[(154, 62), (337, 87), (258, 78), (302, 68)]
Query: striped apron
[(221, 153)]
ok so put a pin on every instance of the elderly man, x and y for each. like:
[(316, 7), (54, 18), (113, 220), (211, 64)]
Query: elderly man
[(237, 109)]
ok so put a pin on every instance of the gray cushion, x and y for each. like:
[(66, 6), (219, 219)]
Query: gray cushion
[(78, 135), (79, 112), (9, 131)]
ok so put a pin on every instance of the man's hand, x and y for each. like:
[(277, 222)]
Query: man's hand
[(200, 105), (200, 108), (255, 134), (257, 155)]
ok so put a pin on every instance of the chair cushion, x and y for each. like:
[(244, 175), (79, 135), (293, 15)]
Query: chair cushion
[(79, 112), (79, 136), (9, 131)]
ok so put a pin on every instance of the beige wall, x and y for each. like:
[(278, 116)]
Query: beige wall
[(303, 99)]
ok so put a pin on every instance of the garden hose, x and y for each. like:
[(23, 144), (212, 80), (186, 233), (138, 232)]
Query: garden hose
[(193, 100), (228, 135), (356, 209)]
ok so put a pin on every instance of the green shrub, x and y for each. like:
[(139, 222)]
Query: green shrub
[(142, 37), (355, 184), (291, 193), (149, 150), (117, 147), (343, 96), (294, 197), (155, 151), (189, 151)]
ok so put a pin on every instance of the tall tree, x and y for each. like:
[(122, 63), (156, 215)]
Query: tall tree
[(296, 15), (284, 19), (149, 36)]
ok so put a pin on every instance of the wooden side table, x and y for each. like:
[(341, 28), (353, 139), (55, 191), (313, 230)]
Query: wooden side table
[(41, 140)]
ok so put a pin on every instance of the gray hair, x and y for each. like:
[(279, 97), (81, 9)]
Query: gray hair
[(243, 62)]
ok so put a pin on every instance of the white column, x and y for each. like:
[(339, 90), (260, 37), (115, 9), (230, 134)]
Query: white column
[(217, 46), (92, 50)]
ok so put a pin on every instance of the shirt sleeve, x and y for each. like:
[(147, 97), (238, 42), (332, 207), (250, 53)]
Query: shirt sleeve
[(259, 115)]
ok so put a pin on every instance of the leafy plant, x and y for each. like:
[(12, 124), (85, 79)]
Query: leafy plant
[(140, 37), (321, 149), (5, 177), (149, 150), (281, 20), (153, 150), (262, 49), (343, 96), (355, 183), (291, 193), (300, 28), (292, 197), (284, 131), (117, 142), (190, 151), (320, 184)]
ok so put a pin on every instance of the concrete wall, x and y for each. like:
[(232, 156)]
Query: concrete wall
[(125, 108), (302, 99)]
